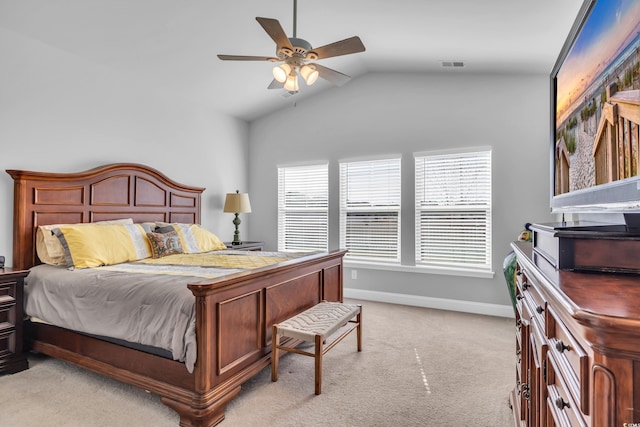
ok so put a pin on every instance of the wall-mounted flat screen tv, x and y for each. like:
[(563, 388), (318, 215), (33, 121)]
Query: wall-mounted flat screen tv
[(595, 111)]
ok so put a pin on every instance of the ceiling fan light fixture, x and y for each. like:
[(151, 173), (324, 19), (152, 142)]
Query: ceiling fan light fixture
[(309, 74), (294, 54), (292, 82), (281, 72)]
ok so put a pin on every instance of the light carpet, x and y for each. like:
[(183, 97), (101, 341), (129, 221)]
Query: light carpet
[(418, 367)]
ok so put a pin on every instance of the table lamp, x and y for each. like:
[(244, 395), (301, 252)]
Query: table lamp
[(237, 203)]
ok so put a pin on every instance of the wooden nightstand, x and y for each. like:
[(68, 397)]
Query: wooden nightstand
[(246, 246), (12, 357)]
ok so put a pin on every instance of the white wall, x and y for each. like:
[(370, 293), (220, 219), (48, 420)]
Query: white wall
[(406, 113), (62, 114)]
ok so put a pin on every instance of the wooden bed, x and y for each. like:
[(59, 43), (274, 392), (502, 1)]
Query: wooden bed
[(234, 314)]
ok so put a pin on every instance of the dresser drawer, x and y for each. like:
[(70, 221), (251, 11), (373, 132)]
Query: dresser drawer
[(562, 411), (565, 417), (534, 300), (537, 311), (572, 360)]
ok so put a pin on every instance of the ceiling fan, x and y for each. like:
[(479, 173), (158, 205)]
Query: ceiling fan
[(298, 56)]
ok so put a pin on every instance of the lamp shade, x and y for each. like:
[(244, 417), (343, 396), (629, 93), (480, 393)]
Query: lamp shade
[(237, 203)]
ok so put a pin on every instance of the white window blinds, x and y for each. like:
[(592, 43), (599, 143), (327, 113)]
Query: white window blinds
[(370, 209), (303, 208), (453, 209)]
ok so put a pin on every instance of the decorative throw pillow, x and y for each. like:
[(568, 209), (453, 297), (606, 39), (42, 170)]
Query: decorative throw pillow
[(163, 244), (193, 237)]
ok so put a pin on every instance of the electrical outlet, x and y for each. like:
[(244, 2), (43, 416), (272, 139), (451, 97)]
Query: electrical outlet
[(354, 274)]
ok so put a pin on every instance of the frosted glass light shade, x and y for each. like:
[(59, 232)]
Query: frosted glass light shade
[(281, 72), (309, 73), (292, 82)]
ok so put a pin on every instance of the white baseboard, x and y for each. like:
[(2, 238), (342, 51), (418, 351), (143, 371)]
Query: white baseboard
[(428, 302)]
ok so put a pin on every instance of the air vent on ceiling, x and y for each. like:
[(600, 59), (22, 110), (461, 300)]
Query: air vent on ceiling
[(453, 64)]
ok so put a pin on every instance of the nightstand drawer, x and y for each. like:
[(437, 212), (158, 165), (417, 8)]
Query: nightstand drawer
[(6, 318), (7, 311), (7, 339), (7, 288)]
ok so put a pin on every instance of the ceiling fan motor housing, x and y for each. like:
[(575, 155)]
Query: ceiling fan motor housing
[(301, 49)]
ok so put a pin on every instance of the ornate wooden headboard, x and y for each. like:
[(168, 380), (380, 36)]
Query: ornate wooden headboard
[(120, 190)]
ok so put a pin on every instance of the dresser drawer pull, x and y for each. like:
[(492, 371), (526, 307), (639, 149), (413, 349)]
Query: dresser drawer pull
[(560, 346), (561, 404), (525, 285), (525, 391), (519, 297), (539, 309)]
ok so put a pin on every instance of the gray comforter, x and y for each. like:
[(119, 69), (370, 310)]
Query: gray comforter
[(154, 310)]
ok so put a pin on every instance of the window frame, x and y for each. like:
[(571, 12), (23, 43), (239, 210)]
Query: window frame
[(377, 255), (285, 212), (464, 255)]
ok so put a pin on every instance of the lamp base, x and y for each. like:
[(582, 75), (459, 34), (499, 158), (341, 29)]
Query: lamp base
[(236, 234)]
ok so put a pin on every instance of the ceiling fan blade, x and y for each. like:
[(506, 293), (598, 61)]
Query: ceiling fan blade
[(275, 31), (343, 47), (275, 85), (248, 58), (332, 76)]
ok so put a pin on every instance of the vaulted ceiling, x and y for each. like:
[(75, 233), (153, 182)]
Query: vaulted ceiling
[(171, 45)]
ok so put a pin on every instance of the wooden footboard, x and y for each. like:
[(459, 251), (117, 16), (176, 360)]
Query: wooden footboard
[(234, 317), (234, 314)]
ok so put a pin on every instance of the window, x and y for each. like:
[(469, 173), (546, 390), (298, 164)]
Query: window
[(303, 208), (370, 209), (453, 209)]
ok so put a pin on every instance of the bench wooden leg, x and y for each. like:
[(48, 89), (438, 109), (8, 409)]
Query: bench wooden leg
[(275, 342), (359, 329), (318, 357)]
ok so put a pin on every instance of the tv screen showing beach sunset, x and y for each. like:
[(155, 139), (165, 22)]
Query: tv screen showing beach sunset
[(597, 100)]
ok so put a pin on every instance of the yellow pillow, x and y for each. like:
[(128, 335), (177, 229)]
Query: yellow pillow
[(94, 245), (194, 238), (48, 246)]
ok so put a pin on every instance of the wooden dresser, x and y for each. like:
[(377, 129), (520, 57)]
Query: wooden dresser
[(577, 345)]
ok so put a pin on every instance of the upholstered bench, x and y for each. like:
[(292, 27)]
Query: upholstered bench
[(316, 325)]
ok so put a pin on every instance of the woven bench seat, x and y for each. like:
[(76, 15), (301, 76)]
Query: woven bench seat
[(316, 325)]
